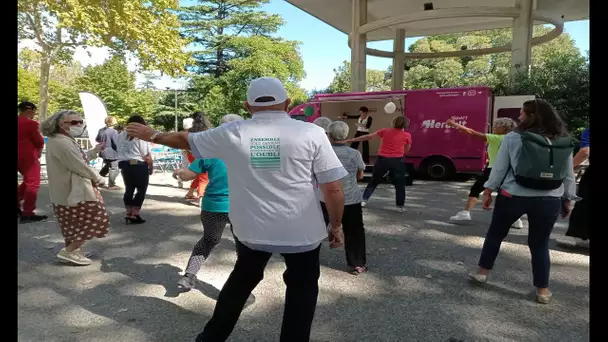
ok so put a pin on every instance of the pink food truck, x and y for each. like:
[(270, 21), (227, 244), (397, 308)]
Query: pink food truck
[(438, 151)]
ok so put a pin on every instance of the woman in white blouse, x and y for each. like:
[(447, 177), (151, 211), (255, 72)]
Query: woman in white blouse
[(364, 124), (135, 163)]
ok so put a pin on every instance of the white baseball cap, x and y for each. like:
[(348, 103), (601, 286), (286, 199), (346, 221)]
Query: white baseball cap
[(266, 87)]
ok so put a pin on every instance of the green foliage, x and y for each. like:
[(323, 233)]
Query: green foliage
[(148, 29), (111, 81), (489, 70), (558, 74), (563, 81), (27, 87), (232, 45), (115, 85), (214, 28), (376, 80)]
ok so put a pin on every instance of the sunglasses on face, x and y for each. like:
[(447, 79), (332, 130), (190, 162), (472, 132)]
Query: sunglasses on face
[(75, 122)]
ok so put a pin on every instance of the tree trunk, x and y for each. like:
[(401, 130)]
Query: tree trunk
[(220, 55), (45, 70)]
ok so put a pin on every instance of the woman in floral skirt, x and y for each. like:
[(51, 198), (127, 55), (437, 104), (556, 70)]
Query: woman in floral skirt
[(78, 205)]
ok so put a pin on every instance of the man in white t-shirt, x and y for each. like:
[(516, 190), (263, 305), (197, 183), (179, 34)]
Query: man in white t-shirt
[(273, 163)]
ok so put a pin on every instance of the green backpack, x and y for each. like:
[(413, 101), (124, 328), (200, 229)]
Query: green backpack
[(542, 164)]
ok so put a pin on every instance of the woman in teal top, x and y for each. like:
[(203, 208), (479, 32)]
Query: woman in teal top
[(214, 210)]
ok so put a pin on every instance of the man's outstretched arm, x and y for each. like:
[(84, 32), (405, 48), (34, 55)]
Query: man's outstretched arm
[(177, 140)]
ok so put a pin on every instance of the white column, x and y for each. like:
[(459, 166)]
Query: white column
[(357, 52), (521, 48), (398, 60)]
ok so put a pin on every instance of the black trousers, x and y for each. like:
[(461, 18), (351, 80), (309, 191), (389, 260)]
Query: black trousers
[(477, 187), (354, 233), (580, 225), (301, 279), (397, 174), (135, 177), (365, 148)]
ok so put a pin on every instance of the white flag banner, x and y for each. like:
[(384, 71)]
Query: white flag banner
[(94, 113)]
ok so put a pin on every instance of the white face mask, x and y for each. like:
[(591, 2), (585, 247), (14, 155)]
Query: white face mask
[(76, 131)]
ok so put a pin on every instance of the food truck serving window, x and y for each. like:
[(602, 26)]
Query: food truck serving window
[(512, 113)]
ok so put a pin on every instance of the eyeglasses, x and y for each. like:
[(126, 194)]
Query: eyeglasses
[(75, 122)]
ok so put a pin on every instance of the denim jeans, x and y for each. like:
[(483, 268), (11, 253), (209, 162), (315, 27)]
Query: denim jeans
[(542, 213)]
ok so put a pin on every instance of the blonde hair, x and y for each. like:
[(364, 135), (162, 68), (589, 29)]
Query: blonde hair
[(110, 121)]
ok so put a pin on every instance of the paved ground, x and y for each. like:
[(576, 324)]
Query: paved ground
[(416, 289)]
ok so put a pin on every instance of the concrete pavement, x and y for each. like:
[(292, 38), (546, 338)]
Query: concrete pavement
[(416, 288)]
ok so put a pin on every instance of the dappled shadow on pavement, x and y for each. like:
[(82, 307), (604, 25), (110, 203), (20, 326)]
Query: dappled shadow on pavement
[(416, 288)]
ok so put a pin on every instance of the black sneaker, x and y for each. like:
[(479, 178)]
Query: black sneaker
[(33, 218)]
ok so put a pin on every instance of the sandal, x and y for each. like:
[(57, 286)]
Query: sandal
[(357, 270)]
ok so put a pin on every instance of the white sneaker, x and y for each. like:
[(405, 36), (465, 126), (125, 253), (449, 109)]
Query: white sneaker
[(75, 257), (543, 299), (518, 224), (363, 204), (400, 209), (480, 278), (462, 216)]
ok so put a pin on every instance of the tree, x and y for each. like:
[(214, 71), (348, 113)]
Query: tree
[(213, 27), (376, 80), (490, 70), (563, 81), (558, 73), (254, 56), (61, 80), (115, 86), (165, 111), (27, 87), (147, 28)]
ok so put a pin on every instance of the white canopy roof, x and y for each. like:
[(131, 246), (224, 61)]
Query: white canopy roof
[(337, 13)]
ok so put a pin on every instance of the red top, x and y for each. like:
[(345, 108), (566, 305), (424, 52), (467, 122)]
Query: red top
[(393, 142), (30, 141), (203, 176)]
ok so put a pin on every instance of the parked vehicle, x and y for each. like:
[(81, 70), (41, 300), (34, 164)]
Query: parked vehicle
[(438, 151)]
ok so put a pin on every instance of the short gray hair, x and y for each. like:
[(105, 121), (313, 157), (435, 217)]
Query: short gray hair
[(322, 122), (507, 123), (231, 117), (337, 130), (50, 126)]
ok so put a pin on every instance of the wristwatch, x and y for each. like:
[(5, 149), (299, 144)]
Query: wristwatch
[(154, 136)]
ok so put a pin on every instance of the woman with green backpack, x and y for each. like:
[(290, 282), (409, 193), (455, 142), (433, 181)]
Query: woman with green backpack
[(533, 175)]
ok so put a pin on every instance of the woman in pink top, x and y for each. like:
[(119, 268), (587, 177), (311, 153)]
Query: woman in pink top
[(396, 142)]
